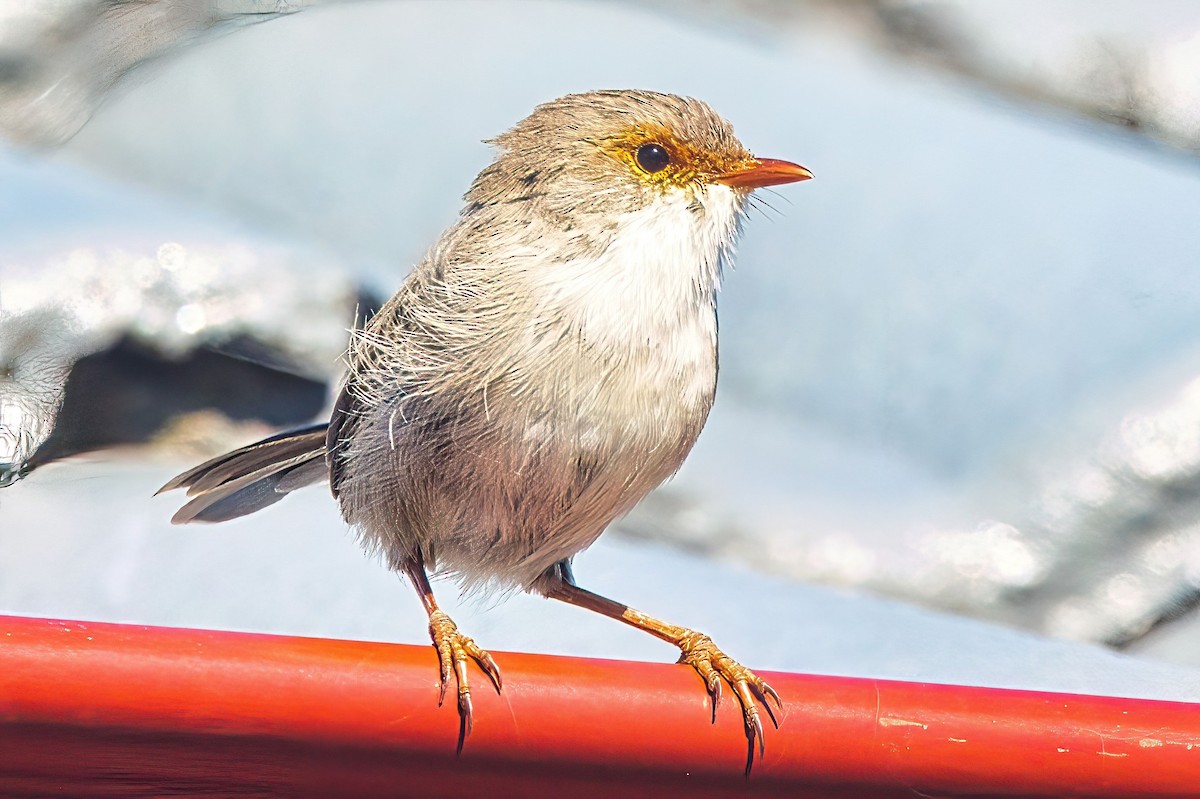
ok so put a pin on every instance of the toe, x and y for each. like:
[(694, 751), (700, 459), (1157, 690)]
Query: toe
[(487, 663), (466, 714)]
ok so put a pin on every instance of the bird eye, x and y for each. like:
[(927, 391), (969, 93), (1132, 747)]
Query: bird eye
[(653, 157)]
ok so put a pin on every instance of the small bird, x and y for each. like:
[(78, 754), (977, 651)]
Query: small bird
[(548, 363)]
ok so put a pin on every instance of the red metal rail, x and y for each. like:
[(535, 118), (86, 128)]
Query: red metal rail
[(97, 710)]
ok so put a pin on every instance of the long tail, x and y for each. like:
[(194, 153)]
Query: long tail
[(253, 477)]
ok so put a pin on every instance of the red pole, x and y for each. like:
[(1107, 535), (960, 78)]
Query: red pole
[(96, 710)]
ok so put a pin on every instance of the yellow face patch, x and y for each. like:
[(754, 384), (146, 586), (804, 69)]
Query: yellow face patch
[(657, 157)]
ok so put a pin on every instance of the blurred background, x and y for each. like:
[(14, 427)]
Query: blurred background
[(960, 369)]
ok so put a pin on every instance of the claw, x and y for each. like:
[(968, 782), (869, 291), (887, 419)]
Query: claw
[(454, 649), (464, 728), (715, 667), (466, 718), (489, 667), (761, 692), (711, 677), (714, 691), (769, 691)]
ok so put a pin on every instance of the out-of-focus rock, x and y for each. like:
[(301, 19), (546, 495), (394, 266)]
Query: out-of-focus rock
[(160, 326), (1123, 62), (937, 363), (59, 59)]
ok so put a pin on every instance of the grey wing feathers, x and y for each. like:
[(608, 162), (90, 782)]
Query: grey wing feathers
[(253, 477), (341, 426)]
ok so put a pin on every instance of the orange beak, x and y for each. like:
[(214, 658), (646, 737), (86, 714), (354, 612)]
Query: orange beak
[(765, 172)]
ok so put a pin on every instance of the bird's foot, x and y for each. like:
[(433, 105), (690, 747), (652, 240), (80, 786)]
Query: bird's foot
[(715, 667), (453, 650)]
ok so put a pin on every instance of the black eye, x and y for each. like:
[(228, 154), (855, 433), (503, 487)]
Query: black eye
[(653, 157)]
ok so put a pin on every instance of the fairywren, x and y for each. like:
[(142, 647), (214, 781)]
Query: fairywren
[(549, 362)]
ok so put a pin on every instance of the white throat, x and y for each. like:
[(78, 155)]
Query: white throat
[(659, 273)]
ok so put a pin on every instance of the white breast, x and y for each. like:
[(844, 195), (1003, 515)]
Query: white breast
[(654, 286)]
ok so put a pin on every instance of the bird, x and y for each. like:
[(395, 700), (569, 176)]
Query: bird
[(549, 362)]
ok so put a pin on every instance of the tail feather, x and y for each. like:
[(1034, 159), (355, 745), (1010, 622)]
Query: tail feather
[(240, 461), (253, 477)]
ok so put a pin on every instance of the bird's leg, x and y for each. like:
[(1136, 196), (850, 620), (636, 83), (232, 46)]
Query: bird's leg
[(453, 649), (696, 649)]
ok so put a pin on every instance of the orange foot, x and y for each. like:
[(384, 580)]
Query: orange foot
[(453, 649), (714, 666)]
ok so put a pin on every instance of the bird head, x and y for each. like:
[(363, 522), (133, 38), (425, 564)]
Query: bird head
[(608, 152)]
